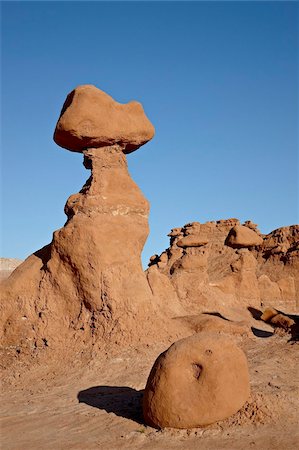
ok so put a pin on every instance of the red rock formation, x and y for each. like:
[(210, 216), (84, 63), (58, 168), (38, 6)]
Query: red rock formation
[(216, 265), (87, 288)]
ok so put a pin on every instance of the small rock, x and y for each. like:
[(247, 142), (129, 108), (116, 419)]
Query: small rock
[(282, 321), (268, 314)]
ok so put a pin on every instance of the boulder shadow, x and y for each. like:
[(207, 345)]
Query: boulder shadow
[(292, 330), (256, 313), (216, 314), (44, 254), (122, 401), (261, 333)]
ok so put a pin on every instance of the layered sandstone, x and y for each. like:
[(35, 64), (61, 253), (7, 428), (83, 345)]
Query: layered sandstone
[(218, 265)]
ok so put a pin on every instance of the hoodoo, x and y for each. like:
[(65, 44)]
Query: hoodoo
[(87, 286)]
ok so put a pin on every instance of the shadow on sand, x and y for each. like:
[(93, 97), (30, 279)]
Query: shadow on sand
[(122, 401), (261, 333)]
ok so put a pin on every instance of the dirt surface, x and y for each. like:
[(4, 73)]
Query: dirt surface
[(98, 407)]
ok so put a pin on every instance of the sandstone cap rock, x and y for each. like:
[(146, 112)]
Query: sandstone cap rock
[(192, 241), (90, 118), (242, 236), (199, 380)]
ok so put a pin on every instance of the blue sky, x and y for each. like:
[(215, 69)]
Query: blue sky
[(219, 80)]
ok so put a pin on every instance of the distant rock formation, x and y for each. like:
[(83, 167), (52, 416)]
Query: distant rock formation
[(87, 286), (7, 266), (222, 264)]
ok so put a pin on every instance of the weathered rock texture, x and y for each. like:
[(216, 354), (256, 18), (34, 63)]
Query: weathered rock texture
[(90, 118), (197, 381), (88, 283), (87, 288), (218, 265)]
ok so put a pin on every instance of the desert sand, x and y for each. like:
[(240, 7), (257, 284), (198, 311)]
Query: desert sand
[(98, 406)]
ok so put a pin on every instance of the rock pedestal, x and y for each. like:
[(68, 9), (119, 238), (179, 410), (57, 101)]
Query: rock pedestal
[(88, 283), (100, 246), (87, 288)]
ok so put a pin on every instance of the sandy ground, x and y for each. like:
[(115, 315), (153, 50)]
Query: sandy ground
[(99, 407)]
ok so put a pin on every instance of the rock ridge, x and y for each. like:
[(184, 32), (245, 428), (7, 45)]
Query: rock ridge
[(227, 264)]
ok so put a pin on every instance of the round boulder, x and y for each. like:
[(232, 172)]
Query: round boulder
[(199, 380)]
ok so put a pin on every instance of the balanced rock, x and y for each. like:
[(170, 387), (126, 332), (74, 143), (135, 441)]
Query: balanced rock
[(87, 289), (241, 236), (90, 118), (282, 321), (197, 381)]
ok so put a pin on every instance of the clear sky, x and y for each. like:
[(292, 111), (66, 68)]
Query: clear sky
[(219, 80)]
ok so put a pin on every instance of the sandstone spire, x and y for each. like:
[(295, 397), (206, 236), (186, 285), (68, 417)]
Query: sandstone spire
[(87, 286)]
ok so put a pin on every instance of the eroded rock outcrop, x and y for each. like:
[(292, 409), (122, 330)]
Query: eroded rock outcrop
[(218, 265), (87, 286), (197, 381)]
